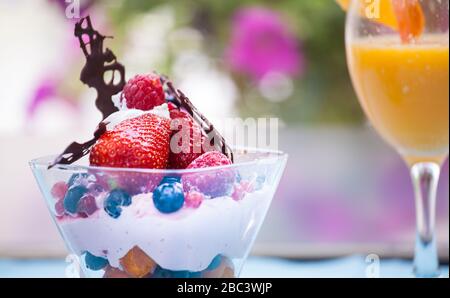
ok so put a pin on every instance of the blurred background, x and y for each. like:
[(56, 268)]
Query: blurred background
[(344, 191)]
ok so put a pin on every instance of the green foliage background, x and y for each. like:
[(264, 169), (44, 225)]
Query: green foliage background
[(323, 95)]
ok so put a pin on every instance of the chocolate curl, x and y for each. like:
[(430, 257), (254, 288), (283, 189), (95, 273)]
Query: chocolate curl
[(181, 100), (75, 151), (98, 63)]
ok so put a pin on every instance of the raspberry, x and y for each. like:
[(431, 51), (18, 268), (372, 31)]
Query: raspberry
[(59, 190), (189, 140), (87, 205), (143, 92), (210, 159), (214, 183), (241, 189), (194, 199), (59, 208)]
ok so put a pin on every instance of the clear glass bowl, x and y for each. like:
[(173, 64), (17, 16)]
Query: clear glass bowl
[(115, 223)]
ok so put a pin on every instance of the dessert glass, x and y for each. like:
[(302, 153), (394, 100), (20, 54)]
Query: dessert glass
[(210, 238)]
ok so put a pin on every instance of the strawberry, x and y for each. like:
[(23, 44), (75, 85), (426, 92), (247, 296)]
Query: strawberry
[(141, 142), (183, 152), (213, 183)]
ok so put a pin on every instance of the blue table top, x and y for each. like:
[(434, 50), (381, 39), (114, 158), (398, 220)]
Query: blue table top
[(353, 266)]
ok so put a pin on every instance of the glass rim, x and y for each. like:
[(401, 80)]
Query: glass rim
[(275, 156)]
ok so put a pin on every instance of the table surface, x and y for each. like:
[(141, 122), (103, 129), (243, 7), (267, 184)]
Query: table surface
[(352, 266)]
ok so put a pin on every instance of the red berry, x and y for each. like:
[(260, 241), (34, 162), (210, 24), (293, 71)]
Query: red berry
[(193, 199), (87, 205), (212, 183), (241, 189), (186, 129), (144, 92), (141, 142), (171, 106), (59, 190), (59, 208), (210, 159)]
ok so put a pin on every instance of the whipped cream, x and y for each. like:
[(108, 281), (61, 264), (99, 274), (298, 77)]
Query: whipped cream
[(125, 114), (186, 240)]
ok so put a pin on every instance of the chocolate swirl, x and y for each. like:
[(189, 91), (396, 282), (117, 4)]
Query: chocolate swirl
[(181, 100), (98, 63), (75, 151)]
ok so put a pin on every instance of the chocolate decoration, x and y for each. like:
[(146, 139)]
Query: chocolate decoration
[(75, 151), (181, 100), (98, 63)]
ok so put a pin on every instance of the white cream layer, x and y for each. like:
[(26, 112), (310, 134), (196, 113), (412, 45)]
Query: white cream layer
[(125, 114), (186, 240)]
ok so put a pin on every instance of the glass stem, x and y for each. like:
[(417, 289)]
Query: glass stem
[(425, 180)]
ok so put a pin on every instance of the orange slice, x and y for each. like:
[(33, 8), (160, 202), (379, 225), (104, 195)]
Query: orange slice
[(410, 19), (405, 16)]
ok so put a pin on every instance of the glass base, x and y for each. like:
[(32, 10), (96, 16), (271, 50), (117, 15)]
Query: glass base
[(426, 262)]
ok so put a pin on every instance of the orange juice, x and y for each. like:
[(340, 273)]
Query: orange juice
[(404, 91)]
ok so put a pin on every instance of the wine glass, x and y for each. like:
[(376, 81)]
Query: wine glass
[(401, 78)]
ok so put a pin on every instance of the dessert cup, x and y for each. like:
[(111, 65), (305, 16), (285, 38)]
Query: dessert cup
[(109, 220)]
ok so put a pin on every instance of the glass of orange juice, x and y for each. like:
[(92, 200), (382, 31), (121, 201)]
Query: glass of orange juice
[(398, 56)]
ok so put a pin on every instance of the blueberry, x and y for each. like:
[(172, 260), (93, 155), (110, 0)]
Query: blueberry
[(161, 273), (215, 263), (185, 274), (171, 179), (77, 178), (115, 200), (168, 197), (72, 198), (113, 210), (180, 274), (195, 274), (120, 196), (260, 180), (94, 262), (238, 178), (164, 273)]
